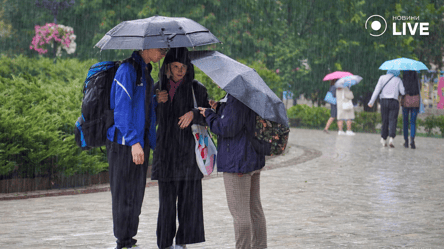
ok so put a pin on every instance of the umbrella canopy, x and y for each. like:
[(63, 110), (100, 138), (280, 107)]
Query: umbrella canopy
[(348, 81), (403, 64), (336, 75), (157, 32), (242, 82)]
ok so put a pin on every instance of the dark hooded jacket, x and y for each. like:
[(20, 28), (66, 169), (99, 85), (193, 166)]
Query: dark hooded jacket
[(174, 156)]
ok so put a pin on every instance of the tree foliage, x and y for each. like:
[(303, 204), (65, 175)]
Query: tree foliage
[(305, 40)]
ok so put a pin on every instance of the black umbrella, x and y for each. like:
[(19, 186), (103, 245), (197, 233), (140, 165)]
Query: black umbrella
[(157, 32), (242, 82)]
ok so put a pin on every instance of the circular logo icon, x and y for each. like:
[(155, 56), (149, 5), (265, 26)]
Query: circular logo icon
[(376, 25)]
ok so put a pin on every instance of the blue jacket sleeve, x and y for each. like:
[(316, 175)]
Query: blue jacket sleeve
[(231, 121), (124, 81)]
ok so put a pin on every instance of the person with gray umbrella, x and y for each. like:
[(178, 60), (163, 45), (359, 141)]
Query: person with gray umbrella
[(154, 36), (127, 143), (241, 165), (234, 123), (174, 161)]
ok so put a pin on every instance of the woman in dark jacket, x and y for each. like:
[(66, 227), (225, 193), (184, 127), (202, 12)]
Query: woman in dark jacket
[(174, 161), (233, 124), (411, 84)]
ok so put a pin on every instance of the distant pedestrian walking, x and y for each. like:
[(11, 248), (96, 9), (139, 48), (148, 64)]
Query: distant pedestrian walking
[(410, 106), (346, 111), (388, 88), (333, 106)]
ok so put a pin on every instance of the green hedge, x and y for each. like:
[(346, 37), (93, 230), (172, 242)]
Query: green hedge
[(39, 103), (316, 117)]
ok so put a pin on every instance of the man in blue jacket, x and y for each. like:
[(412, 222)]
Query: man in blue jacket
[(128, 143)]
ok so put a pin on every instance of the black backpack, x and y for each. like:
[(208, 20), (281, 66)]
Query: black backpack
[(270, 138), (92, 126)]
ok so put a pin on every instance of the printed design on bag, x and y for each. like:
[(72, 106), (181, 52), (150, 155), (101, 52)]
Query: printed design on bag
[(274, 133), (208, 160)]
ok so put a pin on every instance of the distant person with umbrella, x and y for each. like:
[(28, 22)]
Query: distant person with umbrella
[(410, 106), (127, 146), (344, 98), (174, 162), (388, 88), (333, 106), (331, 97), (343, 95)]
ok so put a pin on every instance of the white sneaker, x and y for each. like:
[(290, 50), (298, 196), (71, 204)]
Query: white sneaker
[(350, 133), (391, 144), (341, 133), (180, 247), (383, 142)]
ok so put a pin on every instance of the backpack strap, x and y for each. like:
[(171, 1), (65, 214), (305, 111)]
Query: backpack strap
[(386, 84), (137, 67)]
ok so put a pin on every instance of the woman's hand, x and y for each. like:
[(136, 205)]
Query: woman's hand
[(162, 96), (186, 119), (213, 104), (369, 105), (137, 153), (202, 110)]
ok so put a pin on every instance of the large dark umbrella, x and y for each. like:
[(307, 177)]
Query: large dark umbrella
[(157, 32), (242, 82)]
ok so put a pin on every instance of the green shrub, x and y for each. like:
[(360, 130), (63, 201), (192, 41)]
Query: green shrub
[(366, 121), (306, 116), (39, 104), (440, 124), (429, 123)]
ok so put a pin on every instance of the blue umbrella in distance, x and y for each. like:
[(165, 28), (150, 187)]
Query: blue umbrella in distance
[(403, 64)]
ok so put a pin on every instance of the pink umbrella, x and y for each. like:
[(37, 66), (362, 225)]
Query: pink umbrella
[(336, 75)]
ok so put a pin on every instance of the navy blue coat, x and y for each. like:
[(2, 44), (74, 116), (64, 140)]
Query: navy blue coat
[(233, 120)]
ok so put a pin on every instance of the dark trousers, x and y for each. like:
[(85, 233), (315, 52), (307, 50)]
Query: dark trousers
[(189, 211), (413, 111), (127, 182), (389, 114)]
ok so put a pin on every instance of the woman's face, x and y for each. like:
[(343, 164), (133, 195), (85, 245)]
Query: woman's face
[(178, 71)]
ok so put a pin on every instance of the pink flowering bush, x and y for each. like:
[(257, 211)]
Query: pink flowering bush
[(50, 34)]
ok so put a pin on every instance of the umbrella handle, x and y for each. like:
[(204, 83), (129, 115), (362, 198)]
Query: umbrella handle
[(167, 39)]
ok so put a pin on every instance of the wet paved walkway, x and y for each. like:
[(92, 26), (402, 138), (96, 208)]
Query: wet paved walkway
[(328, 191)]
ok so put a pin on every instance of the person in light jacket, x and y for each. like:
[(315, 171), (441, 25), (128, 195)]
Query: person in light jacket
[(241, 166), (389, 87), (343, 95)]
